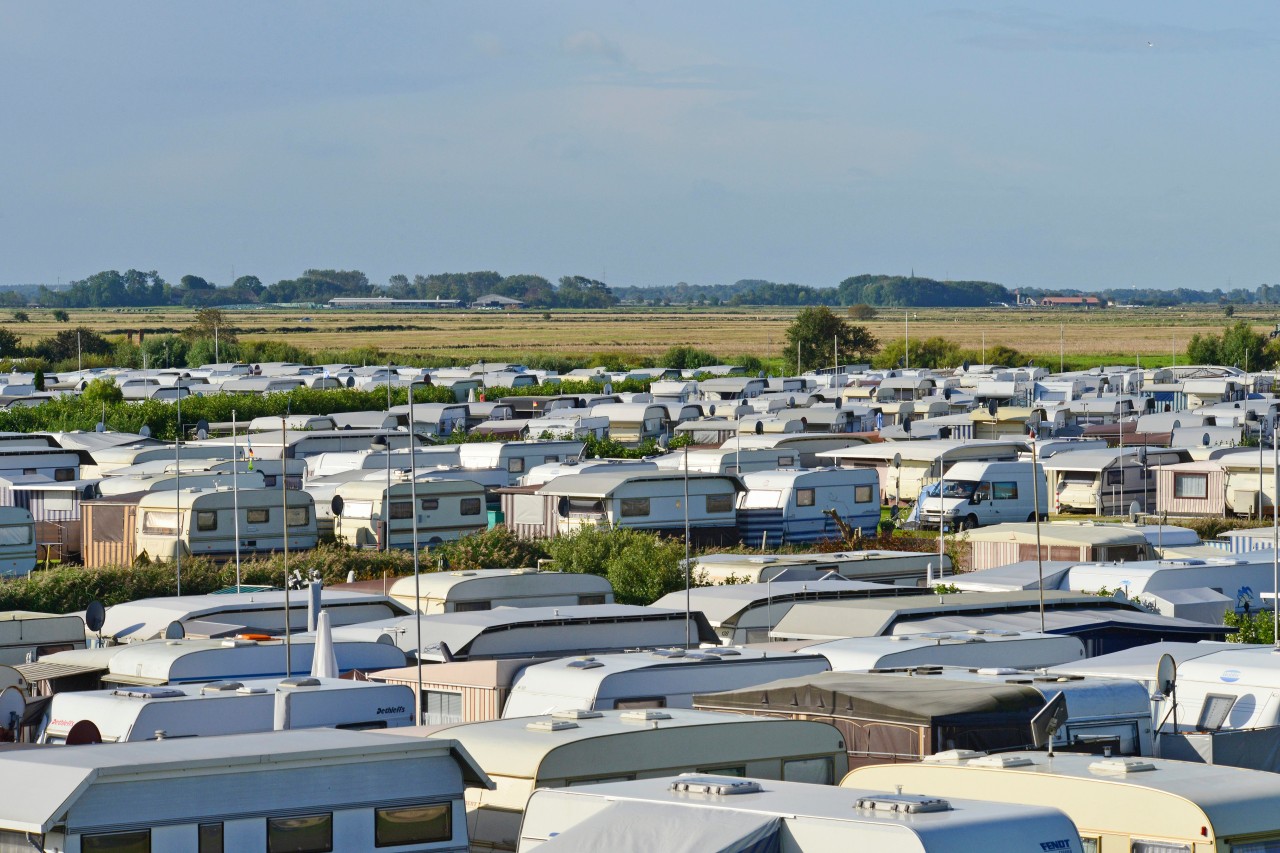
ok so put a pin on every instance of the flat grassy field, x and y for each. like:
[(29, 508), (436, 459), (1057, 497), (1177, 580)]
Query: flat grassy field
[(1112, 336)]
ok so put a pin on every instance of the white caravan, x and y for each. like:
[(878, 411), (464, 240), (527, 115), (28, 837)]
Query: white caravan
[(17, 542), (203, 523), (796, 507), (485, 589)]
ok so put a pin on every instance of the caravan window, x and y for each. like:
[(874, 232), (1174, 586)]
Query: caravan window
[(311, 833), (1161, 847), (804, 497), (786, 461), (1115, 478), (210, 838), (862, 494), (469, 506), (421, 824), (206, 520), (401, 509), (159, 523), (137, 841), (516, 464), (591, 599), (1191, 486), (1271, 846), (428, 504), (439, 707), (818, 771), (762, 499), (471, 606), (64, 475), (59, 501), (357, 509), (15, 534), (297, 516), (258, 516), (1084, 477), (634, 507), (1214, 712), (1007, 491), (719, 503), (634, 704)]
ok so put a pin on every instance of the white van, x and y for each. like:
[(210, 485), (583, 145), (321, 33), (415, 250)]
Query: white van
[(978, 493)]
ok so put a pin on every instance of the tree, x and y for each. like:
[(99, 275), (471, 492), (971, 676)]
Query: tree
[(72, 343), (21, 317), (1238, 345), (862, 311), (819, 335), (102, 390), (61, 316), (10, 344)]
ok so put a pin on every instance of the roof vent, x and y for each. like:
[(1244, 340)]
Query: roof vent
[(221, 687), (997, 670), (1121, 765), (250, 691), (903, 803), (702, 656), (726, 653), (584, 663), (1002, 761), (550, 725), (669, 653), (305, 681), (952, 756), (644, 715), (576, 714), (236, 644), (144, 692), (716, 786)]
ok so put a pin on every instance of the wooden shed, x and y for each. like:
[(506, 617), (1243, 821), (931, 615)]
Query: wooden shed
[(109, 530)]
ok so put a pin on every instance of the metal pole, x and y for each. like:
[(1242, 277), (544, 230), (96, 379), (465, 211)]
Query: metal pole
[(235, 494), (1035, 493), (942, 510), (906, 340), (688, 569), (386, 505), (288, 633), (417, 581), (177, 491), (1275, 540)]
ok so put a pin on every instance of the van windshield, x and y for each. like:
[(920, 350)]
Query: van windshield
[(958, 488)]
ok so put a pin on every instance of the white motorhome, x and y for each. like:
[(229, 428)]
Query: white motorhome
[(203, 523), (17, 542), (794, 507), (979, 493), (270, 791), (737, 815), (485, 589), (1120, 805), (663, 678), (224, 707), (366, 514), (587, 747)]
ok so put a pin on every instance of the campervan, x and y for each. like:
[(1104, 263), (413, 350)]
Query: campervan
[(979, 493), (485, 589), (222, 708), (905, 467), (796, 507), (203, 523), (17, 542), (588, 747)]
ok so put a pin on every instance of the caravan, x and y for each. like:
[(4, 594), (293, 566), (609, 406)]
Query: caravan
[(799, 507), (17, 542), (448, 509), (203, 523)]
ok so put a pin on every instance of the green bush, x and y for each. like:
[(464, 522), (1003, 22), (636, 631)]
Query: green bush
[(497, 548), (642, 566)]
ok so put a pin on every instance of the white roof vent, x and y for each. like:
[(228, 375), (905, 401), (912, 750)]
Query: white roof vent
[(702, 656), (717, 786), (145, 692), (997, 670), (305, 681), (576, 714), (952, 756), (250, 691), (726, 653), (669, 653), (1121, 765), (644, 715), (221, 687), (236, 644), (1002, 761), (585, 663), (551, 725), (903, 803)]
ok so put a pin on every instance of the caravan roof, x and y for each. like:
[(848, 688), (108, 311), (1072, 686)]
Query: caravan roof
[(981, 648), (499, 588)]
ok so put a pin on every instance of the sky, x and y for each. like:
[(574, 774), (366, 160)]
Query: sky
[(1082, 145)]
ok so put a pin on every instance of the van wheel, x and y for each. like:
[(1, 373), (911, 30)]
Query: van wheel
[(968, 522), (1031, 517)]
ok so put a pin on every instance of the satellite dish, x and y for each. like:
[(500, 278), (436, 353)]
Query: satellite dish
[(1166, 674), (1048, 720), (663, 442), (711, 410), (145, 432), (174, 631), (608, 387), (100, 427), (897, 460), (760, 375), (839, 402), (946, 394), (906, 426), (965, 366), (94, 616), (12, 707), (202, 429), (1204, 440), (759, 428), (992, 406), (1177, 424), (1135, 509), (336, 504), (351, 381), (89, 493), (791, 402), (83, 732)]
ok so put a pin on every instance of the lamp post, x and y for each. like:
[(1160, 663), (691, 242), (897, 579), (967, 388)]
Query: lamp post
[(284, 508), (417, 577), (177, 492)]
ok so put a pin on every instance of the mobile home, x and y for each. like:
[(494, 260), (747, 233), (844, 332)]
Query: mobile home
[(663, 678), (1120, 805), (369, 515), (793, 507), (983, 649), (223, 708), (485, 589), (587, 747), (737, 815), (295, 790), (203, 523), (1003, 544), (17, 542), (632, 424)]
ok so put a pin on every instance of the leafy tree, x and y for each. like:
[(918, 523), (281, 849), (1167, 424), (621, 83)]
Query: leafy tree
[(10, 343), (61, 316), (576, 291), (21, 317), (861, 311), (102, 390), (641, 566), (195, 282), (70, 343), (210, 323), (819, 333), (1238, 344), (930, 352), (687, 358), (38, 381)]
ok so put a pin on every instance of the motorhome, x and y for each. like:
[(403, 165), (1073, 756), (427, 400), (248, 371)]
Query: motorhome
[(25, 635), (204, 523), (893, 716), (366, 514), (17, 542), (515, 632), (979, 648), (663, 678), (223, 708), (981, 493), (904, 568), (588, 747), (271, 791), (1120, 805), (798, 507), (737, 815), (485, 589)]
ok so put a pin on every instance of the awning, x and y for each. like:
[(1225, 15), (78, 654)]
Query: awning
[(633, 827), (34, 672)]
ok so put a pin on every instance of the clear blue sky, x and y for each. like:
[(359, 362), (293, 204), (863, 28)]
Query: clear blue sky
[(644, 142)]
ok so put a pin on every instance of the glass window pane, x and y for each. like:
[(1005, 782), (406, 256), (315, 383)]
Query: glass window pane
[(469, 506), (160, 523), (719, 503), (138, 841), (210, 838), (206, 520), (1270, 846), (413, 824), (819, 771), (1159, 847), (401, 509), (1089, 845), (862, 494), (804, 497), (634, 507), (304, 834), (297, 516), (440, 708), (1190, 485), (18, 534), (258, 516), (429, 504)]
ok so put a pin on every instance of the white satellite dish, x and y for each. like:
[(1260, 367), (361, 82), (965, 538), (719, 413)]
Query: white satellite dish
[(1166, 674), (12, 706)]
